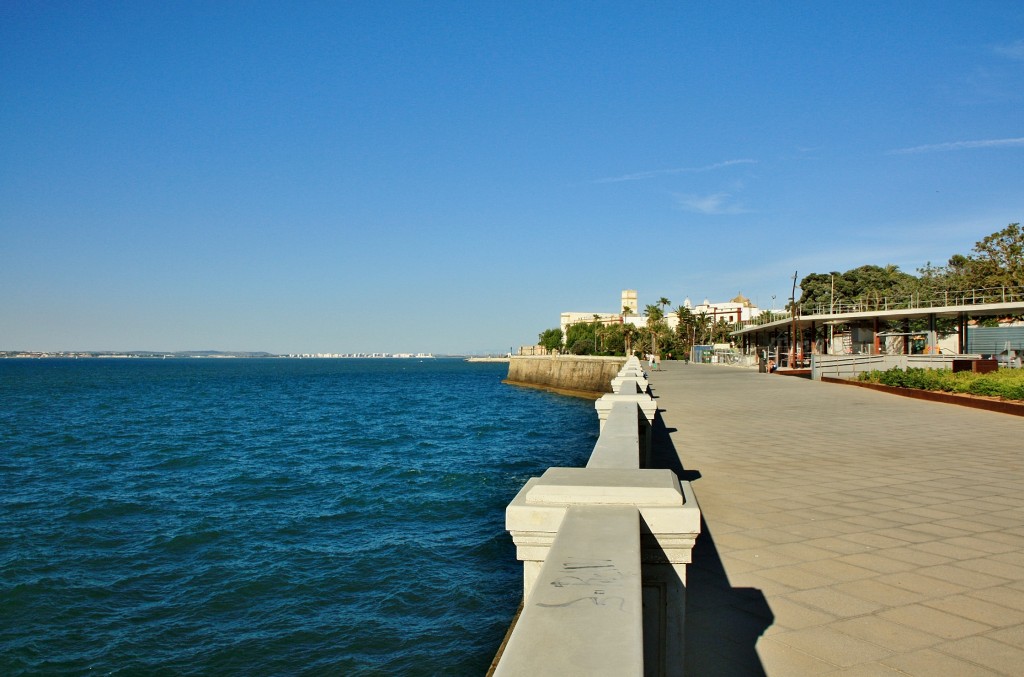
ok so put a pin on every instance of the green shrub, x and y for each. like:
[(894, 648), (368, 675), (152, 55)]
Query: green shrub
[(1005, 383)]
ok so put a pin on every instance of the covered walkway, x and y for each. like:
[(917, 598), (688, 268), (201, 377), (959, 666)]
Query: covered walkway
[(847, 532), (809, 332)]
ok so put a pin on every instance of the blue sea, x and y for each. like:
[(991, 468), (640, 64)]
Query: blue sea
[(265, 516)]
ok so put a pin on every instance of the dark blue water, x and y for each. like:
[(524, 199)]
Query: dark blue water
[(265, 516)]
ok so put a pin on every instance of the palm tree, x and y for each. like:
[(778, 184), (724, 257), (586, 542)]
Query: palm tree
[(701, 329), (664, 303), (628, 333), (654, 315), (683, 328)]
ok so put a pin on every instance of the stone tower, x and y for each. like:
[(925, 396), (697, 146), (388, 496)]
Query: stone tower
[(629, 301)]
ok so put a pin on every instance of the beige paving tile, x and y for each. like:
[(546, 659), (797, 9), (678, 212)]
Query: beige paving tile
[(1014, 557), (882, 593), (790, 615), (930, 587), (918, 558), (992, 654), (739, 540), (961, 576), (796, 577), (801, 551), (938, 531), (994, 567), (877, 561), (868, 670), (755, 579), (836, 570), (1014, 635), (1006, 538), (734, 565), (781, 659), (981, 544), (875, 540), (1002, 595), (947, 550), (837, 545), (980, 610), (892, 636), (934, 621), (906, 535), (763, 558), (932, 663), (832, 646), (834, 602), (932, 512)]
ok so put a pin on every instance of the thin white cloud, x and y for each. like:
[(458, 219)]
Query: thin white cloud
[(1014, 50), (960, 145), (714, 204), (639, 176)]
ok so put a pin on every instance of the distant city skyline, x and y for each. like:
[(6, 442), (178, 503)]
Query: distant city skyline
[(448, 178)]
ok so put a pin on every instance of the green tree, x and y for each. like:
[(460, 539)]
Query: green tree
[(998, 260), (551, 339), (612, 340), (629, 335), (866, 285), (664, 303), (684, 330), (580, 338), (701, 328), (654, 322)]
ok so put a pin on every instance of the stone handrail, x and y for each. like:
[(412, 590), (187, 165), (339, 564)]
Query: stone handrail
[(621, 435), (604, 551), (591, 583)]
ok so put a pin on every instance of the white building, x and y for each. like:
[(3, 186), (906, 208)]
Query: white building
[(739, 309)]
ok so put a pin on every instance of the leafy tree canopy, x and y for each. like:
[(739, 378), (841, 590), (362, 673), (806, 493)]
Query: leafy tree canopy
[(823, 289), (551, 339)]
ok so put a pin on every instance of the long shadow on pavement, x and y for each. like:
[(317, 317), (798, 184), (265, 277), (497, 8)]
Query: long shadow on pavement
[(723, 623)]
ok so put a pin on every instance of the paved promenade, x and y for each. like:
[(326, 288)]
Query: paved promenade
[(847, 532)]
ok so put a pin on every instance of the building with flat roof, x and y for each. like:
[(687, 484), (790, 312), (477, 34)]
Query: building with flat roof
[(739, 309)]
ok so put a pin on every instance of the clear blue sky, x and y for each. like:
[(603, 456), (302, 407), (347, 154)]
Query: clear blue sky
[(449, 177)]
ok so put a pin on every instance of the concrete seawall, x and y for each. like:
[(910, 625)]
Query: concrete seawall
[(574, 375)]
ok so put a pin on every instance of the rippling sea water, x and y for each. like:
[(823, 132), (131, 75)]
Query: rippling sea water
[(265, 516)]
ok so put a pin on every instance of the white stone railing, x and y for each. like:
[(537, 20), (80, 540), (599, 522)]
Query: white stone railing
[(604, 551), (849, 366)]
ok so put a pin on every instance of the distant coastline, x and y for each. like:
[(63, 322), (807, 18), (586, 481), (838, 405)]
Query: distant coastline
[(215, 354)]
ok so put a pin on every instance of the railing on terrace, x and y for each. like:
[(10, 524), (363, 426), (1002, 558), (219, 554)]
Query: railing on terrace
[(604, 551), (970, 297), (871, 303)]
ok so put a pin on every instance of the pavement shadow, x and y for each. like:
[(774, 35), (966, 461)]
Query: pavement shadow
[(723, 623)]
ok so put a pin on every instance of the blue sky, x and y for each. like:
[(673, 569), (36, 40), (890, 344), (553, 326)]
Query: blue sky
[(449, 177)]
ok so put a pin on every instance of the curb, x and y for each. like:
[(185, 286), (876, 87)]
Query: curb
[(999, 406)]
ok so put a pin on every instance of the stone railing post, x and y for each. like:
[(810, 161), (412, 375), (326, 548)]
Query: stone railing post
[(669, 524)]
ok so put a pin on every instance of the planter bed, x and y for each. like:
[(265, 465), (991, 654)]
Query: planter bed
[(977, 401)]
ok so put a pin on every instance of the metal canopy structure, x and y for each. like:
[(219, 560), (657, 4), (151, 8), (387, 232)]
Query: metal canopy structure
[(769, 333)]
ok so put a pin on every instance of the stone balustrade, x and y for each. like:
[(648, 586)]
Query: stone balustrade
[(604, 551), (626, 430)]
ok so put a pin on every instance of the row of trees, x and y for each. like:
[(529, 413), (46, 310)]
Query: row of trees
[(599, 337), (996, 262)]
